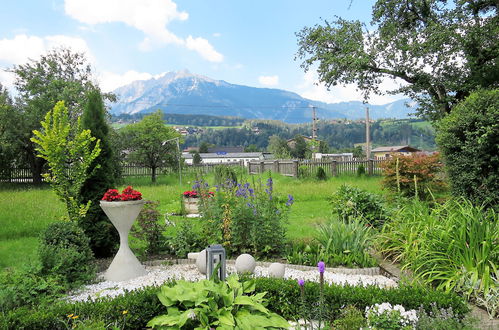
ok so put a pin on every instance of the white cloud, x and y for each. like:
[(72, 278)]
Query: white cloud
[(217, 34), (149, 16), (22, 47), (109, 81), (7, 79), (269, 80), (203, 47), (312, 89)]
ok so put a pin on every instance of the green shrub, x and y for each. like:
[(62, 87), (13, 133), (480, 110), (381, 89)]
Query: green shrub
[(468, 139), (283, 298), (140, 306), (354, 203), (321, 174), (64, 250), (303, 172), (443, 319), (28, 288), (413, 176), (361, 170), (185, 240), (453, 246), (224, 173), (350, 318), (149, 229)]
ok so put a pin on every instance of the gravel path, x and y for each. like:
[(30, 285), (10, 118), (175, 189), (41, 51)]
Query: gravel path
[(157, 275)]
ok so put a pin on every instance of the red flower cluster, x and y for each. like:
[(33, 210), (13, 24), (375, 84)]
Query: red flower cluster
[(191, 194), (128, 194), (195, 194)]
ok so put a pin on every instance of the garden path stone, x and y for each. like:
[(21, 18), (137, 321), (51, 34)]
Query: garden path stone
[(157, 275)]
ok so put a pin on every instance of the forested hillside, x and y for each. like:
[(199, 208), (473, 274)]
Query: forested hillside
[(338, 134)]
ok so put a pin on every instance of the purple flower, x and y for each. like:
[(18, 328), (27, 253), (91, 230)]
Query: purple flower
[(290, 200), (322, 266), (269, 184), (196, 186), (301, 283), (251, 191)]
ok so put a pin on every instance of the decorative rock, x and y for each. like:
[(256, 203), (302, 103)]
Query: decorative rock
[(201, 261), (245, 263), (277, 270)]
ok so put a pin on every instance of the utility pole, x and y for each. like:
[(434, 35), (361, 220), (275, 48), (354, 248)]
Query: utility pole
[(314, 132), (368, 148), (314, 127)]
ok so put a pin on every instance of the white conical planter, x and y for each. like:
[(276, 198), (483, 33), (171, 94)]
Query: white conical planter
[(125, 264)]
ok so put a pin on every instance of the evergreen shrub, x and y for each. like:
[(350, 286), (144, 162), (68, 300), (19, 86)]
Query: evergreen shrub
[(64, 250), (103, 174), (321, 174), (283, 298), (468, 138)]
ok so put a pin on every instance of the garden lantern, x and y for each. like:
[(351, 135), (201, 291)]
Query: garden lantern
[(215, 254)]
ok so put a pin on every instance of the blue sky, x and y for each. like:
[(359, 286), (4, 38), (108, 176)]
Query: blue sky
[(249, 42)]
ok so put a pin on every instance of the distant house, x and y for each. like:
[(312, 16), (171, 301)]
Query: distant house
[(346, 156), (222, 157), (291, 142), (226, 149), (387, 152)]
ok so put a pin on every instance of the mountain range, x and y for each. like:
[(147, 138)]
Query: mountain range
[(186, 93)]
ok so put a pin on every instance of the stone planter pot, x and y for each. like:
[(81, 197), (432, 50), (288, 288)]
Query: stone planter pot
[(191, 205), (125, 264)]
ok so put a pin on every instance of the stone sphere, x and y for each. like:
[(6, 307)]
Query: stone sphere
[(245, 264), (201, 262), (277, 270)]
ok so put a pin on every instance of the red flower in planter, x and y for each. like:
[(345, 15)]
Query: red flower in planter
[(191, 194), (128, 194)]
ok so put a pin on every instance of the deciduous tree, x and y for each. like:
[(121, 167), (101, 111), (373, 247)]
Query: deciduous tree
[(69, 154), (440, 51), (151, 143), (60, 75)]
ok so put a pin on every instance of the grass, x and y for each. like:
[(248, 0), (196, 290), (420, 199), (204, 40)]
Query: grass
[(26, 210)]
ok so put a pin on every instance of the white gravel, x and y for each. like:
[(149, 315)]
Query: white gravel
[(157, 275)]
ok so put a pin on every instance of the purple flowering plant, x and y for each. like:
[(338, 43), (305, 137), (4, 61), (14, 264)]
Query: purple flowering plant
[(246, 217)]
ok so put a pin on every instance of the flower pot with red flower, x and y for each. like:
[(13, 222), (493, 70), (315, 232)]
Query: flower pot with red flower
[(122, 209), (191, 201)]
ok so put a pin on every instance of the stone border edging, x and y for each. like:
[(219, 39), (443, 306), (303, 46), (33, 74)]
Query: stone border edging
[(372, 271)]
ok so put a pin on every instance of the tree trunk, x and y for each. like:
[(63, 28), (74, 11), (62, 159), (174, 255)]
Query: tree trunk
[(153, 174)]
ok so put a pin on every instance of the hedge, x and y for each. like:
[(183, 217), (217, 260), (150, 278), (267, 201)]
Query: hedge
[(283, 297)]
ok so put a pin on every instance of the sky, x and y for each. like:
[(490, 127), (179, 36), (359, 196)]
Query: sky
[(250, 42)]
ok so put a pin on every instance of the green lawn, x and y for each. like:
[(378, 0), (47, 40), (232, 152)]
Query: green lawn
[(26, 210)]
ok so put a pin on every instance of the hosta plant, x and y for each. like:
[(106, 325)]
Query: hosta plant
[(210, 304)]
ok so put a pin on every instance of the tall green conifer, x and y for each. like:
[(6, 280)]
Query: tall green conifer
[(103, 175)]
